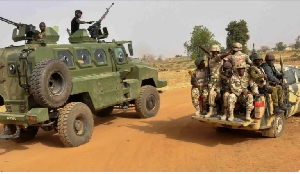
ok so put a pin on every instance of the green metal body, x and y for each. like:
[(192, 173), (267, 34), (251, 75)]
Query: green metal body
[(99, 78)]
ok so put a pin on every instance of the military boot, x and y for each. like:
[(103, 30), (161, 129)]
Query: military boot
[(210, 113), (197, 113), (277, 110), (248, 112), (231, 117), (225, 114), (283, 107)]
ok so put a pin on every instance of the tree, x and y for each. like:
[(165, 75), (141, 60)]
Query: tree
[(237, 32), (297, 44), (264, 48), (200, 36), (280, 46), (159, 58)]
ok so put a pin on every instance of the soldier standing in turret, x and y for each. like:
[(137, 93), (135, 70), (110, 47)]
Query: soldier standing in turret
[(237, 57), (239, 86), (214, 85), (43, 30), (199, 86), (76, 21)]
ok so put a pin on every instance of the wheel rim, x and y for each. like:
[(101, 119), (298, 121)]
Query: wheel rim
[(151, 102), (80, 125), (279, 124), (56, 83)]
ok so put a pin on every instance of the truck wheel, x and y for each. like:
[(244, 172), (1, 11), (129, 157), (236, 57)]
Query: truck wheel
[(25, 135), (75, 124), (51, 83), (148, 103), (277, 127), (104, 112)]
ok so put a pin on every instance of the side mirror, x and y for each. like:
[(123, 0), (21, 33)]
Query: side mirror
[(130, 49)]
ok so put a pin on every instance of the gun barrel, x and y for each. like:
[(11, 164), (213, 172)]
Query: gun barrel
[(9, 22)]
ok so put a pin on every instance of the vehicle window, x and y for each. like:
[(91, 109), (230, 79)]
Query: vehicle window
[(119, 55), (84, 57), (66, 56), (100, 56), (290, 77)]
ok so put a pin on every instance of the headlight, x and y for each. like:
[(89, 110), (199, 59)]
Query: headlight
[(12, 69)]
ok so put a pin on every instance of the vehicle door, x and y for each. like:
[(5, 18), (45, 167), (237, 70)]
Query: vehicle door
[(120, 57)]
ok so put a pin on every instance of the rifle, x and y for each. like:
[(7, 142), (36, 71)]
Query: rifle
[(253, 52), (95, 28)]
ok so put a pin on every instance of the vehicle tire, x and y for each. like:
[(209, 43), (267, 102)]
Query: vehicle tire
[(25, 135), (51, 83), (277, 127), (104, 112), (148, 103), (75, 124)]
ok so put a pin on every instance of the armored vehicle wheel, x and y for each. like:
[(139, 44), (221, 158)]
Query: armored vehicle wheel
[(148, 103), (104, 112), (277, 127), (25, 135), (75, 124), (51, 83)]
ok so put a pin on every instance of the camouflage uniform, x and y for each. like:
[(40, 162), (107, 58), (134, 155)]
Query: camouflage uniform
[(237, 84), (238, 57), (258, 74), (214, 85), (201, 76), (225, 78)]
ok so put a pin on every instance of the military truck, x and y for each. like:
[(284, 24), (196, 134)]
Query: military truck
[(60, 86), (262, 117)]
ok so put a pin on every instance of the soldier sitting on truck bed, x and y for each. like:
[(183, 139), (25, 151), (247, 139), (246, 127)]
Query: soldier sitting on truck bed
[(225, 76), (199, 84), (239, 91), (273, 77), (260, 78)]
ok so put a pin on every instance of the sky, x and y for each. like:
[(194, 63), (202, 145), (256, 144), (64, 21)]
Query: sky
[(160, 27)]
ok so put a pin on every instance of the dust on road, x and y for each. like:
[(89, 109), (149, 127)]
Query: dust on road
[(171, 141)]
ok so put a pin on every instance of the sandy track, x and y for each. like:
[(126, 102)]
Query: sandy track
[(171, 141)]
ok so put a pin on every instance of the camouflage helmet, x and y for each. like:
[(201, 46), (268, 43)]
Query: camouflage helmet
[(227, 65), (241, 65), (237, 46), (269, 57), (215, 48), (257, 57), (198, 61)]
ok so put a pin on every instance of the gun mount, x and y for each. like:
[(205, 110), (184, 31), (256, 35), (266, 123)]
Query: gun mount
[(95, 29), (28, 33)]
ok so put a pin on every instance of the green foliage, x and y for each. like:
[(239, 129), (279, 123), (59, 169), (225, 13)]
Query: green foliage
[(237, 32), (200, 36), (280, 46)]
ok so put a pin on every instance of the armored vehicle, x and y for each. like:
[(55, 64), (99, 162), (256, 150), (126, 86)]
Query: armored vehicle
[(263, 118), (60, 86)]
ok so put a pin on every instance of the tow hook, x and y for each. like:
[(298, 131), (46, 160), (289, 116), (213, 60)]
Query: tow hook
[(6, 132)]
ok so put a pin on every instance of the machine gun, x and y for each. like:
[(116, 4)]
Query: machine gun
[(28, 29), (95, 29), (252, 54)]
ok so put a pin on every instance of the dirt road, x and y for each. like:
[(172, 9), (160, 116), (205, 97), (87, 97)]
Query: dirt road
[(171, 141)]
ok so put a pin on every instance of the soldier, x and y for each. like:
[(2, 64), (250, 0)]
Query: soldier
[(225, 77), (43, 30), (199, 86), (277, 94), (75, 22), (238, 56), (215, 64), (239, 86)]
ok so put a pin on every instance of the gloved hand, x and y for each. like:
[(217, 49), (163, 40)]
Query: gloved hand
[(90, 22)]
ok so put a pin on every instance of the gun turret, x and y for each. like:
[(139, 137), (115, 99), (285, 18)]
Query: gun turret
[(95, 29), (26, 32)]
